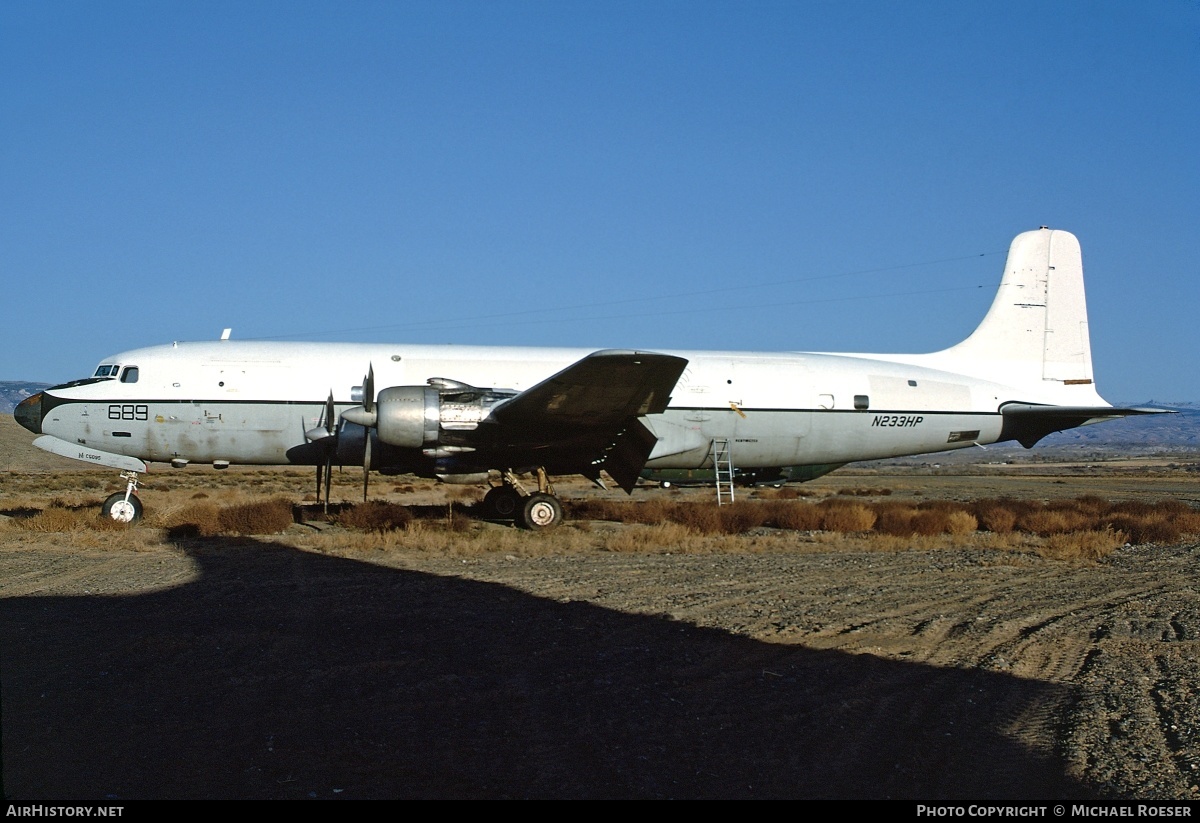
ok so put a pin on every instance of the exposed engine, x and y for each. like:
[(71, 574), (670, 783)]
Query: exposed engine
[(433, 418)]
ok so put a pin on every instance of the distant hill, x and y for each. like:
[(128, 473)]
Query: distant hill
[(13, 392), (1151, 432)]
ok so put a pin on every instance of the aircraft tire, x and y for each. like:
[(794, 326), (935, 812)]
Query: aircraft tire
[(502, 503), (540, 511), (118, 509)]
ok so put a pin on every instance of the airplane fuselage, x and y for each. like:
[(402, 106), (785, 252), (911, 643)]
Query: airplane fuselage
[(252, 402)]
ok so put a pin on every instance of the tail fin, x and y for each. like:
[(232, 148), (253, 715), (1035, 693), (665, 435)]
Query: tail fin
[(1036, 332), (1034, 339)]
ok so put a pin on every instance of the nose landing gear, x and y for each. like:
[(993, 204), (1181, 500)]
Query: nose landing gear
[(124, 507)]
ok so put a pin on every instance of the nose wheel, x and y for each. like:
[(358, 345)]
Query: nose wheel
[(124, 507)]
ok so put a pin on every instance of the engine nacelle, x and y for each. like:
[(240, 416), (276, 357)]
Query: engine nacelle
[(420, 417), (408, 416)]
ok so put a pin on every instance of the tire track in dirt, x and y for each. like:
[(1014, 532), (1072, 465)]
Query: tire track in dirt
[(1035, 619)]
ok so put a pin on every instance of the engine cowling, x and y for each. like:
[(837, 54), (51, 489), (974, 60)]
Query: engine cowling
[(425, 417), (408, 416)]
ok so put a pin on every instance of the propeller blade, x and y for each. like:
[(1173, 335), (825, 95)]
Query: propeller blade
[(366, 464), (330, 428), (369, 389), (328, 478)]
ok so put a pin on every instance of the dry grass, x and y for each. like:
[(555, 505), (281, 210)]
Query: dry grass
[(1083, 545), (254, 502), (60, 517)]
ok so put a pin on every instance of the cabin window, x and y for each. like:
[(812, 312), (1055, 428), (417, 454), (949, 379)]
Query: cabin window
[(130, 375), (861, 401)]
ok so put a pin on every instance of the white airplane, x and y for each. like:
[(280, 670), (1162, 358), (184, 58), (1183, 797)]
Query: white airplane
[(471, 414)]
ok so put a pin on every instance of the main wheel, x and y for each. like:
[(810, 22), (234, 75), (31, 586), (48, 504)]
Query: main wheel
[(117, 508), (502, 502), (541, 511)]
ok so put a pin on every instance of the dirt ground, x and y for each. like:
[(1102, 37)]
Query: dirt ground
[(284, 667)]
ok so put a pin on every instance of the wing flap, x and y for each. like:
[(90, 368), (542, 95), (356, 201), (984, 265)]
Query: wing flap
[(628, 454)]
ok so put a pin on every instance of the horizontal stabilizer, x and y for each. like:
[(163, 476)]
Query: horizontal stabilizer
[(1027, 423)]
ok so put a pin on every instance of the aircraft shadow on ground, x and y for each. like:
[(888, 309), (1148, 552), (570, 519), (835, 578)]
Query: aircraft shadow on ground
[(277, 673)]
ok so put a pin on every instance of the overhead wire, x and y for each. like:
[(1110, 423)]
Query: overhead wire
[(482, 320)]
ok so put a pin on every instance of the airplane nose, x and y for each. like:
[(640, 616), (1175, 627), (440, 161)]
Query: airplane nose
[(29, 413)]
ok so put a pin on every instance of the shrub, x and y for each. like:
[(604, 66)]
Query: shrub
[(929, 523), (847, 518), (895, 519), (1147, 528), (195, 520), (700, 518), (257, 517), (994, 516), (375, 515), (742, 516), (1046, 522), (961, 523), (794, 515), (656, 510), (54, 518), (1089, 504)]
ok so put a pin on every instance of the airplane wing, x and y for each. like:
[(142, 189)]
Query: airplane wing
[(1027, 423), (592, 408)]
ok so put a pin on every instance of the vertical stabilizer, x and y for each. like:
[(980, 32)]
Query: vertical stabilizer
[(1036, 332)]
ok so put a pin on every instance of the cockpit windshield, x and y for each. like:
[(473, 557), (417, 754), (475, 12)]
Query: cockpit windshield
[(107, 371)]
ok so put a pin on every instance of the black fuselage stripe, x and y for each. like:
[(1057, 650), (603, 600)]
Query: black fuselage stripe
[(61, 401)]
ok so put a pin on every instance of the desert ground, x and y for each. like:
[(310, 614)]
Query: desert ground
[(602, 660)]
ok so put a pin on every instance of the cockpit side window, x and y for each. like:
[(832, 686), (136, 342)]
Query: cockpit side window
[(130, 375)]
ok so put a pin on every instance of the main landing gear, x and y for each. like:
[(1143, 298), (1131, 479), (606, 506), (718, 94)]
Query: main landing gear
[(124, 507), (534, 511)]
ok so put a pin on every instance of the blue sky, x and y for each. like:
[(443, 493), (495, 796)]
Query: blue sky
[(820, 176)]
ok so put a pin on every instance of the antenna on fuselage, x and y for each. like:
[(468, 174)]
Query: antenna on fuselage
[(225, 334)]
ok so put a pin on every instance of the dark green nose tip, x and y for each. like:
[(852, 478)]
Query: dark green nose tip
[(29, 413)]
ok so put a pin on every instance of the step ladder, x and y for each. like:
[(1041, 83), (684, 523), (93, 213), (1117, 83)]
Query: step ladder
[(722, 461)]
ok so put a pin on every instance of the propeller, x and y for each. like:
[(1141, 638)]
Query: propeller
[(326, 431), (365, 416), (331, 427), (369, 408)]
